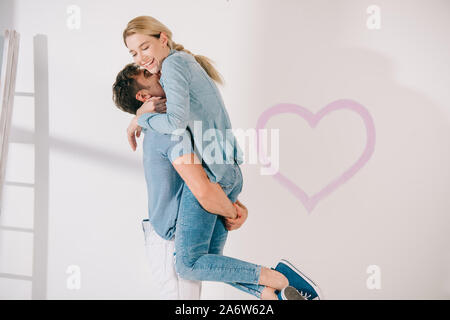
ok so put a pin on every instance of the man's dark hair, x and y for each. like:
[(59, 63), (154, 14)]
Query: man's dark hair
[(126, 87)]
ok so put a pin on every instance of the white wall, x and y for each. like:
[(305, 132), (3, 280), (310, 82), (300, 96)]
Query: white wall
[(393, 213)]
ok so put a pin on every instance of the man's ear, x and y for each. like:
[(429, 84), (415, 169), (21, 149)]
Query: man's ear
[(142, 95)]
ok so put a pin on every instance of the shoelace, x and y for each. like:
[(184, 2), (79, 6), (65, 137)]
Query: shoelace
[(305, 295)]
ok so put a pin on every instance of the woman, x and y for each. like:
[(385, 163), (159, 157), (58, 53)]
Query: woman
[(193, 102)]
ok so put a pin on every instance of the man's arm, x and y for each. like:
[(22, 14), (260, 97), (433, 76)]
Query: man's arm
[(210, 195)]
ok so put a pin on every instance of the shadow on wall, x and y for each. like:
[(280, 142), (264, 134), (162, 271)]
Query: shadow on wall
[(95, 154), (6, 15)]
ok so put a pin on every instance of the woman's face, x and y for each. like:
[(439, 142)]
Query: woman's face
[(147, 51)]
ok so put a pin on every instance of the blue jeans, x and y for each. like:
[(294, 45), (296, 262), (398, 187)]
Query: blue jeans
[(200, 239)]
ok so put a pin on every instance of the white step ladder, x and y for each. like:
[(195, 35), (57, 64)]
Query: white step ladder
[(40, 139)]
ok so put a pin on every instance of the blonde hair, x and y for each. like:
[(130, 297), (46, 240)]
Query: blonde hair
[(150, 26)]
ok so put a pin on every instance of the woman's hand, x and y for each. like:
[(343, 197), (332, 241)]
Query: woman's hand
[(152, 105), (242, 214), (133, 131)]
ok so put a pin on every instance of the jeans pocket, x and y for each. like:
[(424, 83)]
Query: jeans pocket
[(228, 180), (152, 238)]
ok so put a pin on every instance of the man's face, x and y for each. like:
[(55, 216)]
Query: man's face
[(151, 85)]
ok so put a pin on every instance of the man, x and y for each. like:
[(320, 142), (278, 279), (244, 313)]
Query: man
[(169, 162)]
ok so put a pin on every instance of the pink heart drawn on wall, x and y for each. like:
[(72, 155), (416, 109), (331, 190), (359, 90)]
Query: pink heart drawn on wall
[(310, 202)]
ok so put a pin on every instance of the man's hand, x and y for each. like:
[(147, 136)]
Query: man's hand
[(242, 214), (152, 105), (133, 131)]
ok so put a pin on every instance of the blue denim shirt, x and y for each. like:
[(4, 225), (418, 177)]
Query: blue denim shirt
[(164, 184), (194, 101)]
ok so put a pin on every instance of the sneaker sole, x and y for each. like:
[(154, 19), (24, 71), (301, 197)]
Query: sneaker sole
[(290, 294), (310, 282)]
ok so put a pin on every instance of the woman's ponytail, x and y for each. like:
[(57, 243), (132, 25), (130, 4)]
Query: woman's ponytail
[(205, 62)]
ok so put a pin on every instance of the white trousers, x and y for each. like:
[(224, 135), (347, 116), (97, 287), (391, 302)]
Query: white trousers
[(161, 258)]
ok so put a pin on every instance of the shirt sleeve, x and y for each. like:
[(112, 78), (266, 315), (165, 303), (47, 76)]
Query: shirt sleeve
[(181, 145), (176, 79)]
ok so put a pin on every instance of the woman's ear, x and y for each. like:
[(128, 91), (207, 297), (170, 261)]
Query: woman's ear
[(164, 39), (142, 95)]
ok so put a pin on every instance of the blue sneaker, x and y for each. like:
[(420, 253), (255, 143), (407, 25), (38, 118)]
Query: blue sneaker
[(305, 286)]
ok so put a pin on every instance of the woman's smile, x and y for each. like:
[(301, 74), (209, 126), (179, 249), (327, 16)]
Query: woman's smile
[(148, 64)]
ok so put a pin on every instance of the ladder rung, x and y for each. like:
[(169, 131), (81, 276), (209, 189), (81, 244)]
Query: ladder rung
[(21, 142), (20, 184), (15, 276), (17, 229), (24, 94)]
